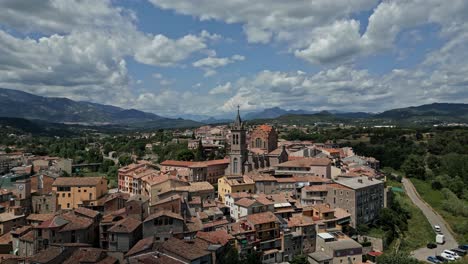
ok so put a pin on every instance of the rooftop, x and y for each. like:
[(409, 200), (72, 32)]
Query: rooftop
[(305, 162), (164, 213), (262, 218), (358, 182), (126, 225), (78, 181)]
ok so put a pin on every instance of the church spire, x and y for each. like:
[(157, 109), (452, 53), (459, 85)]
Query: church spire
[(238, 121)]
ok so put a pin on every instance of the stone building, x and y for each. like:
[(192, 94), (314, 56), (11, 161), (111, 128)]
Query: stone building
[(264, 137)]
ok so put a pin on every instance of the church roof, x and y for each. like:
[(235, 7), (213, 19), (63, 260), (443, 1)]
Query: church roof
[(238, 120)]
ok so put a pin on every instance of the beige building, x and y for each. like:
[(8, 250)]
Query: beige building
[(228, 185), (73, 191), (362, 197), (316, 166)]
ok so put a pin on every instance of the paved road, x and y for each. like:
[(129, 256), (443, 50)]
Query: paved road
[(434, 219)]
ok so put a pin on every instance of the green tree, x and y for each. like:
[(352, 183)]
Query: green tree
[(200, 152), (186, 155), (414, 167), (124, 160), (8, 150)]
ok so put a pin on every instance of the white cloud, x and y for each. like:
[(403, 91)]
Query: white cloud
[(221, 89), (209, 64)]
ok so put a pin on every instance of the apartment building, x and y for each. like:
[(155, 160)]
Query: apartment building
[(74, 191), (362, 197), (316, 166)]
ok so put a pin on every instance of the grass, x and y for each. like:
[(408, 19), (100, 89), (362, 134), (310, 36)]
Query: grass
[(419, 231), (435, 198)]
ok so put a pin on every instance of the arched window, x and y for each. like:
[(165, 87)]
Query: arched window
[(258, 143), (234, 165)]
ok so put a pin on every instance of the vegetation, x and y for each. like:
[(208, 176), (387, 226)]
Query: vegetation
[(396, 258)]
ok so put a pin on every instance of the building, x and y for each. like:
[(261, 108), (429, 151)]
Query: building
[(362, 197), (267, 230), (124, 234), (210, 170), (264, 137), (228, 185), (74, 191), (163, 225), (316, 166), (314, 194), (336, 248), (130, 177)]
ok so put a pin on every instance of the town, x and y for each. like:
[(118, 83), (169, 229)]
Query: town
[(268, 200)]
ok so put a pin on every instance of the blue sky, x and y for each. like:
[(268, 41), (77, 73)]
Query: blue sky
[(178, 57)]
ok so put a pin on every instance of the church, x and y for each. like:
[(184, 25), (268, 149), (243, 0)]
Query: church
[(262, 154)]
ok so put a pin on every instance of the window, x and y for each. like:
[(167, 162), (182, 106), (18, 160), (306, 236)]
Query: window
[(235, 164), (63, 195), (68, 205), (69, 195)]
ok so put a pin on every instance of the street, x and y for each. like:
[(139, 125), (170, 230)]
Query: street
[(434, 219)]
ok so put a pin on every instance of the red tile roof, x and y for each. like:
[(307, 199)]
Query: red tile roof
[(141, 246), (86, 212), (245, 202), (177, 163), (215, 237), (338, 186), (126, 225), (262, 218), (78, 181), (164, 213)]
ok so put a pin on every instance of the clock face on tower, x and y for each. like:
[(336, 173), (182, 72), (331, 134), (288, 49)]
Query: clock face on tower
[(21, 187)]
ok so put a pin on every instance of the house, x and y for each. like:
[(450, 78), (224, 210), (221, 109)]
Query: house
[(209, 170), (124, 234), (13, 218), (228, 185), (267, 230), (163, 225), (74, 191), (336, 248), (314, 194)]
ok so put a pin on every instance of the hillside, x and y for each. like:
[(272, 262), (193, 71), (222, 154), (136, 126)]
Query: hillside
[(430, 113), (18, 104)]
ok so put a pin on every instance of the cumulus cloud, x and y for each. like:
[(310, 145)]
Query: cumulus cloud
[(323, 31), (83, 48), (209, 64), (221, 89)]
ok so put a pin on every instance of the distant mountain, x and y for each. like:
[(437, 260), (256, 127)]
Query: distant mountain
[(20, 104), (436, 111), (274, 113)]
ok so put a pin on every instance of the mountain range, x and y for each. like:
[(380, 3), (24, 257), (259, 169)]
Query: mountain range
[(18, 104)]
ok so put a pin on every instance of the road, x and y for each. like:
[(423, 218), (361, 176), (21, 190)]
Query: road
[(434, 219)]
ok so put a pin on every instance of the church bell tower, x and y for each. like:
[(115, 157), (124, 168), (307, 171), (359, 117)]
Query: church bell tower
[(238, 153)]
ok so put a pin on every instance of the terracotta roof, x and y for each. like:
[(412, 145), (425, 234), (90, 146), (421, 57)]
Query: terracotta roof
[(316, 188), (78, 181), (86, 255), (177, 163), (239, 195), (338, 186), (168, 199), (257, 177), (158, 259), (142, 245), (210, 163), (300, 220), (86, 212), (262, 218), (20, 230), (215, 223), (29, 236), (310, 178), (54, 222), (76, 222), (215, 237), (46, 256), (265, 128), (190, 250), (323, 208), (245, 202), (305, 162), (5, 238), (164, 213), (126, 225)]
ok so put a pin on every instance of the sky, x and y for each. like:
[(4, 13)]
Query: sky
[(205, 57)]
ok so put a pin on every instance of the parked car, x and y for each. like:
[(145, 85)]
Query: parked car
[(451, 253), (431, 245), (437, 228), (447, 256), (441, 259), (440, 239), (460, 252), (433, 259), (464, 247)]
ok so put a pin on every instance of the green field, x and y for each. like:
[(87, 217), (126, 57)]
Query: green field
[(435, 199)]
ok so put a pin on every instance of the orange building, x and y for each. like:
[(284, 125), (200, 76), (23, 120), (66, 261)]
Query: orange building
[(73, 191), (265, 138)]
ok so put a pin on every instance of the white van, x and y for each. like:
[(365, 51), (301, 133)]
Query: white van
[(454, 255), (447, 256), (440, 239)]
